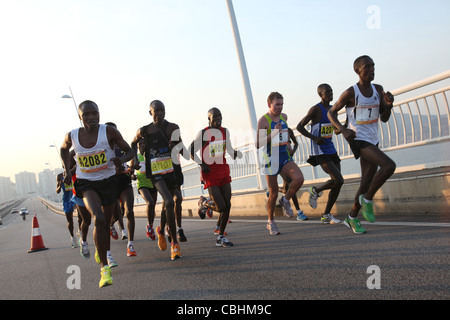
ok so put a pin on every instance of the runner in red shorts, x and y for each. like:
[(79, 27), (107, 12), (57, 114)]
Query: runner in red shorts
[(214, 141)]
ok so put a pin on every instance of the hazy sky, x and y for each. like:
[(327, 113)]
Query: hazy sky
[(124, 54)]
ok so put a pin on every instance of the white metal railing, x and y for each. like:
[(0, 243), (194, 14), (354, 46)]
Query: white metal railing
[(415, 121)]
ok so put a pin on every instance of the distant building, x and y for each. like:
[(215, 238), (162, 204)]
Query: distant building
[(47, 184), (26, 184), (7, 190)]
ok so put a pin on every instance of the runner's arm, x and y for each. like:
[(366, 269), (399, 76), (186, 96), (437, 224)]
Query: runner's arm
[(386, 105), (312, 116), (233, 153), (344, 100), (65, 157), (118, 140)]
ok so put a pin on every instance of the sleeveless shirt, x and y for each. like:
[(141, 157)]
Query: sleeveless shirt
[(157, 152), (94, 163), (323, 128), (281, 140), (363, 117), (214, 146)]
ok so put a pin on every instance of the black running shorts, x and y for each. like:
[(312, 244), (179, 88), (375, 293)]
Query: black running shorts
[(106, 189)]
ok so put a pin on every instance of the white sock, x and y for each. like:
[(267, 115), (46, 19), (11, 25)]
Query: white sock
[(368, 201)]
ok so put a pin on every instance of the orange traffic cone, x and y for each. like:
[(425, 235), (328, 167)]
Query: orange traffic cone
[(37, 244)]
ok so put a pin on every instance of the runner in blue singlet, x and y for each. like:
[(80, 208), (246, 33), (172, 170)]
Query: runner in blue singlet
[(323, 151)]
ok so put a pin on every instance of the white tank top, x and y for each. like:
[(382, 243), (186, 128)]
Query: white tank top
[(363, 117), (94, 163)]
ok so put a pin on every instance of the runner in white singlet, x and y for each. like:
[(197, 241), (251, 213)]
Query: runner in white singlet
[(366, 104), (96, 167)]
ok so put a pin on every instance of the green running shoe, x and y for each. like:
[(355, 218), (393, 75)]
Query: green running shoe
[(355, 225), (106, 279), (366, 209)]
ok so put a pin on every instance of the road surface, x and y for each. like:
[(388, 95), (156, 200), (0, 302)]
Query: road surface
[(401, 257)]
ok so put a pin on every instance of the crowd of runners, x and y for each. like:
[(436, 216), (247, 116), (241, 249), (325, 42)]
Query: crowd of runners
[(99, 166)]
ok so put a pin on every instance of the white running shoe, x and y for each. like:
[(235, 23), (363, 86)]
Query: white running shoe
[(313, 195), (111, 262), (223, 242), (286, 206), (74, 242), (84, 250), (273, 229), (329, 219)]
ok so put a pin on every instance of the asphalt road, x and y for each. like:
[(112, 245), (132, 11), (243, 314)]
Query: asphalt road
[(307, 261)]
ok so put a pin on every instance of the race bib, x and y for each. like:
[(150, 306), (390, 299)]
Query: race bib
[(161, 165), (92, 161), (68, 187), (281, 139), (326, 130), (216, 148), (367, 113)]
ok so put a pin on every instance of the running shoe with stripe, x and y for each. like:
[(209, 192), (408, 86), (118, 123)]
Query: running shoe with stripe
[(161, 239), (84, 250), (366, 209), (313, 195), (111, 262), (106, 279), (301, 216), (273, 229), (130, 251), (355, 225), (223, 242), (175, 252), (286, 206), (150, 232), (74, 242), (329, 219), (113, 233)]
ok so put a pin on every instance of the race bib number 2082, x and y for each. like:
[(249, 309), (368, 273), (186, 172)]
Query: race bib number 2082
[(93, 161)]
